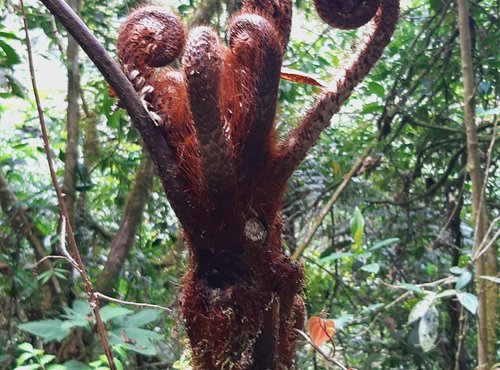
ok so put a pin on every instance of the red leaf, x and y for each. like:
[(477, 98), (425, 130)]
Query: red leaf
[(300, 77), (320, 330)]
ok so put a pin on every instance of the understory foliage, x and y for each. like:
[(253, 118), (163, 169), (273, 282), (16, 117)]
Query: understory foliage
[(390, 262)]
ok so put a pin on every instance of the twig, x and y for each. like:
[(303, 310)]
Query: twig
[(62, 207), (326, 208), (482, 247), (485, 182), (331, 359), (142, 305), (446, 280)]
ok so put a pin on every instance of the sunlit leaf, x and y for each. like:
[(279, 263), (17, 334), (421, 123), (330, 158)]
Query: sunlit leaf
[(428, 329), (320, 330), (469, 301), (421, 308), (357, 225), (372, 267), (383, 243), (489, 112), (463, 280)]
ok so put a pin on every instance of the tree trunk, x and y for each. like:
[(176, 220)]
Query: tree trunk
[(486, 313), (241, 301), (130, 222), (72, 120)]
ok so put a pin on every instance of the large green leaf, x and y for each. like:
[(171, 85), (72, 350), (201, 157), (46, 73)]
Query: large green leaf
[(48, 330), (142, 318), (110, 312)]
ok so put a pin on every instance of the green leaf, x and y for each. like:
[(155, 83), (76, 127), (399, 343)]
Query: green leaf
[(383, 243), (372, 308), (23, 357), (377, 89), (45, 359), (342, 321), (421, 308), (57, 367), (80, 315), (142, 318), (371, 108), (428, 329), (357, 225), (109, 312), (28, 367), (463, 280), (26, 347), (372, 267), (11, 56), (82, 307), (446, 293), (8, 35), (5, 358), (436, 5), (76, 365), (469, 301), (135, 339), (489, 112), (48, 330)]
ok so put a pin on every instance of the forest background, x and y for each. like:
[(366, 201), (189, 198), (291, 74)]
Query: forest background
[(380, 213)]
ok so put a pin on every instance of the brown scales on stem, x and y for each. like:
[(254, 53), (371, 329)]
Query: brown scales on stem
[(241, 296)]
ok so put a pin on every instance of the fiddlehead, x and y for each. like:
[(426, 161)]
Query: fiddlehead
[(150, 37), (346, 14), (202, 65), (252, 67), (278, 13)]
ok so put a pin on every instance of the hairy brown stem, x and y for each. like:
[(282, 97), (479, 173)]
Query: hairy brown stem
[(318, 118)]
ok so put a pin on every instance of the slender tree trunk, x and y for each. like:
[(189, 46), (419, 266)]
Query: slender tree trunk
[(131, 219), (486, 309), (72, 120)]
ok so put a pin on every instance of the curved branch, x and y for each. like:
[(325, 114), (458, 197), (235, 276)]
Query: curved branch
[(162, 155), (295, 147)]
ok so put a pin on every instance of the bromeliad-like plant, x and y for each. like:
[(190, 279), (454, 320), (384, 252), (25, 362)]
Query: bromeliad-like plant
[(210, 130)]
